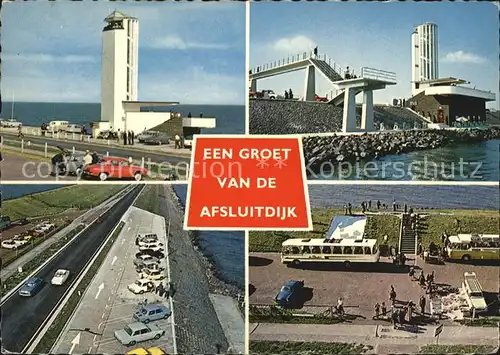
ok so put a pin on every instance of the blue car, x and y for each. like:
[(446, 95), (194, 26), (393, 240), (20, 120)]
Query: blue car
[(151, 312), (31, 287), (289, 293)]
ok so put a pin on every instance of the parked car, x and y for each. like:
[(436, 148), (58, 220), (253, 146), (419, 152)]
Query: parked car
[(149, 351), (5, 222), (138, 332), (289, 293), (58, 126), (148, 241), (107, 135), (320, 98), (148, 235), (13, 244), (74, 128), (31, 287), (155, 275), (152, 246), (141, 286), (60, 277), (156, 254), (151, 312), (150, 264), (145, 135), (157, 139), (11, 123), (115, 168), (140, 260)]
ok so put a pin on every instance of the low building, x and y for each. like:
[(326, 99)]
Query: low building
[(445, 100)]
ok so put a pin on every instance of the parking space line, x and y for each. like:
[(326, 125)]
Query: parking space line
[(90, 350)]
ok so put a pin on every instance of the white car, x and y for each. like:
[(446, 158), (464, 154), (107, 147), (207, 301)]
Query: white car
[(150, 274), (13, 243), (11, 123), (148, 241), (152, 246), (60, 277), (45, 227), (141, 286)]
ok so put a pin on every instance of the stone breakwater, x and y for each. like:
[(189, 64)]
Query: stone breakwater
[(336, 149), (298, 117)]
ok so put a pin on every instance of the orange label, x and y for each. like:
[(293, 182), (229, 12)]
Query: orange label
[(254, 183)]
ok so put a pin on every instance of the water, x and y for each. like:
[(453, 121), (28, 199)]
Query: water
[(230, 119), (467, 162), (441, 197), (226, 249)]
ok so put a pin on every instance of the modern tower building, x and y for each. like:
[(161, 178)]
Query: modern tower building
[(424, 54), (120, 53)]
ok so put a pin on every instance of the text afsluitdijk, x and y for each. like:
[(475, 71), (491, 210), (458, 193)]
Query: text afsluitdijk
[(281, 212)]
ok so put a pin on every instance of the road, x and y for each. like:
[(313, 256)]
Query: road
[(21, 317), (107, 305), (155, 157)]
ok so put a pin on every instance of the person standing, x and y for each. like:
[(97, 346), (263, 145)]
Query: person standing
[(125, 137), (177, 140), (118, 136), (422, 304), (133, 137), (87, 159)]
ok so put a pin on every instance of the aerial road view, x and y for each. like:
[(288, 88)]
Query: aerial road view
[(72, 109), (386, 270), (90, 269), (379, 91)]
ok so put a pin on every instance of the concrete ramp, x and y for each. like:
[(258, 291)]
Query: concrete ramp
[(231, 321)]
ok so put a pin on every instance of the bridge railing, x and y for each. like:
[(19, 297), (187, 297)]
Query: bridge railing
[(377, 74), (294, 59)]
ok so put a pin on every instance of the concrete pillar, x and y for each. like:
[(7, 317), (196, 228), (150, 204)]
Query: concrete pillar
[(253, 85), (349, 118), (367, 111), (310, 84)]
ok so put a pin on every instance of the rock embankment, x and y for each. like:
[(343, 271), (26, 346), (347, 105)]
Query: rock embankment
[(298, 117), (318, 150)]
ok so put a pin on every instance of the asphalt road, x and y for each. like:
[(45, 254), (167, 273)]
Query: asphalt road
[(113, 151), (22, 316)]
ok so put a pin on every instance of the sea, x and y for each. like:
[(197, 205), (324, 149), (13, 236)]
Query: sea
[(421, 196), (226, 250), (230, 119)]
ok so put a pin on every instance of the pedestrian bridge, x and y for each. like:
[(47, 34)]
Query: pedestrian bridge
[(344, 87)]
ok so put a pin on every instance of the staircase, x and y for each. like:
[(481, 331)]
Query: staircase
[(325, 69), (407, 240)]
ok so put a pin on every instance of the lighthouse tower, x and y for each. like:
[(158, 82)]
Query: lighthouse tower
[(120, 44)]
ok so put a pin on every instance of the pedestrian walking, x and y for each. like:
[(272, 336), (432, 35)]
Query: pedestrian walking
[(383, 309), (377, 310), (422, 304), (345, 210), (392, 295), (369, 204), (378, 204), (349, 207), (406, 208), (118, 136)]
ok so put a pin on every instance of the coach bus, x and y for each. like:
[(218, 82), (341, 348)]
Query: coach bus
[(473, 247), (296, 251)]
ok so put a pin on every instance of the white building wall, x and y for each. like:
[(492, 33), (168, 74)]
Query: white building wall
[(424, 45), (140, 121)]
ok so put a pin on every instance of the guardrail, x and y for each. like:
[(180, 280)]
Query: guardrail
[(35, 339), (377, 74)]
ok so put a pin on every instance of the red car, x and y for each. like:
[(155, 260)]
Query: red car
[(115, 168), (320, 99)]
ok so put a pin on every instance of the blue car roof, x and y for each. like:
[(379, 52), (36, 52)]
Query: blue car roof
[(291, 283)]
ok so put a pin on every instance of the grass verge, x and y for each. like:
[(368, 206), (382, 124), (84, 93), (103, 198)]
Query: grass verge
[(456, 349), (456, 221), (306, 348), (48, 340), (148, 200), (38, 260), (289, 319), (56, 201), (481, 322)]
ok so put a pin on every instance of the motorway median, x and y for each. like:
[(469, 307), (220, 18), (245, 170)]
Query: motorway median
[(55, 329)]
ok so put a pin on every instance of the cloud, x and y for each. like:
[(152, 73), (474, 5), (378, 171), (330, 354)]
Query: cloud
[(176, 42), (463, 57), (49, 58), (293, 44)]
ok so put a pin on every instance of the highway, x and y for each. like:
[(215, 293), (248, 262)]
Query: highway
[(23, 316), (156, 157)]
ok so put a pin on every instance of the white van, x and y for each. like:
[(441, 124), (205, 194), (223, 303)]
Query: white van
[(58, 126), (74, 128)]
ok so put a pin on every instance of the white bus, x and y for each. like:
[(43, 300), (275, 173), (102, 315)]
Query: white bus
[(348, 251), (474, 247)]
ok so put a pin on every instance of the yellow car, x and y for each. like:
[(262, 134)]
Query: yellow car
[(149, 351)]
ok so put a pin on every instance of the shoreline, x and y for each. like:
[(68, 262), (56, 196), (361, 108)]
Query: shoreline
[(217, 283)]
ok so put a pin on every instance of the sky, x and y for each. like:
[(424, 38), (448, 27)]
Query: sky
[(193, 53), (376, 35)]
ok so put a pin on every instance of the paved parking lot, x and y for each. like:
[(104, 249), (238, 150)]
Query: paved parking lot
[(360, 287), (107, 305)]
